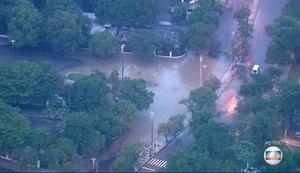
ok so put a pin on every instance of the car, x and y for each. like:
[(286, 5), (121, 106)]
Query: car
[(255, 69)]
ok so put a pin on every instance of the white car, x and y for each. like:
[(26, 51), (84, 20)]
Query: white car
[(255, 69)]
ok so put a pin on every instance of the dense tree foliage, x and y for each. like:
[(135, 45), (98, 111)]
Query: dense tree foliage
[(197, 35), (25, 25), (213, 82), (285, 32), (179, 15), (143, 45), (200, 98), (134, 90), (14, 129), (173, 127), (127, 13), (129, 158), (259, 85), (103, 44), (202, 23), (244, 32), (89, 93), (207, 12), (6, 13), (26, 83)]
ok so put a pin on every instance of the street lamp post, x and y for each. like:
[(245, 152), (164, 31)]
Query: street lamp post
[(93, 160), (13, 45), (201, 70), (123, 54), (152, 117)]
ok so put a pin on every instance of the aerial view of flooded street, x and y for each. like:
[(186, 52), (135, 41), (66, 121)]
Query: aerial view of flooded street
[(146, 86)]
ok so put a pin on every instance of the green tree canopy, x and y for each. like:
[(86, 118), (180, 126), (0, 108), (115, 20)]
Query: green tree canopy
[(179, 15), (14, 129), (135, 91), (63, 151), (288, 101), (205, 14), (259, 85), (26, 82), (6, 13), (80, 128), (143, 45), (276, 54), (210, 135), (200, 98), (197, 35), (129, 158), (89, 93), (103, 44), (127, 13), (25, 25)]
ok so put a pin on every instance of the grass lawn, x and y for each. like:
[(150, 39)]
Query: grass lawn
[(76, 76)]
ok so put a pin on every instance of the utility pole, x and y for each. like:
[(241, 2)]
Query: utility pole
[(123, 56), (201, 70), (152, 117), (204, 68), (93, 160)]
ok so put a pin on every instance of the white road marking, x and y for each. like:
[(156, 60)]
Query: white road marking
[(149, 169), (157, 162)]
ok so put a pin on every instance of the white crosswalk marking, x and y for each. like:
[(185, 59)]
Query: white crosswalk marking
[(152, 160), (157, 162)]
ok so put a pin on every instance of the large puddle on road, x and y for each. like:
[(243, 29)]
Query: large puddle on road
[(175, 79)]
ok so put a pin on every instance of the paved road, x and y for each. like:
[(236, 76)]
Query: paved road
[(159, 160), (267, 12)]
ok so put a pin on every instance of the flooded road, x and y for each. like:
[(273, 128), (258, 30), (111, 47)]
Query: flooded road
[(267, 12)]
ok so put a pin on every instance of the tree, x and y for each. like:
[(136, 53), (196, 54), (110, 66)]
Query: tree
[(103, 44), (129, 158), (80, 128), (163, 129), (26, 82), (197, 35), (24, 27), (209, 136), (273, 72), (264, 124), (125, 112), (205, 14), (136, 92), (89, 93), (194, 159), (14, 128), (62, 32), (244, 152), (179, 15), (5, 14), (285, 32), (244, 34), (62, 152), (259, 85), (127, 13), (200, 98), (214, 83), (199, 118), (276, 54), (143, 45), (288, 101)]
